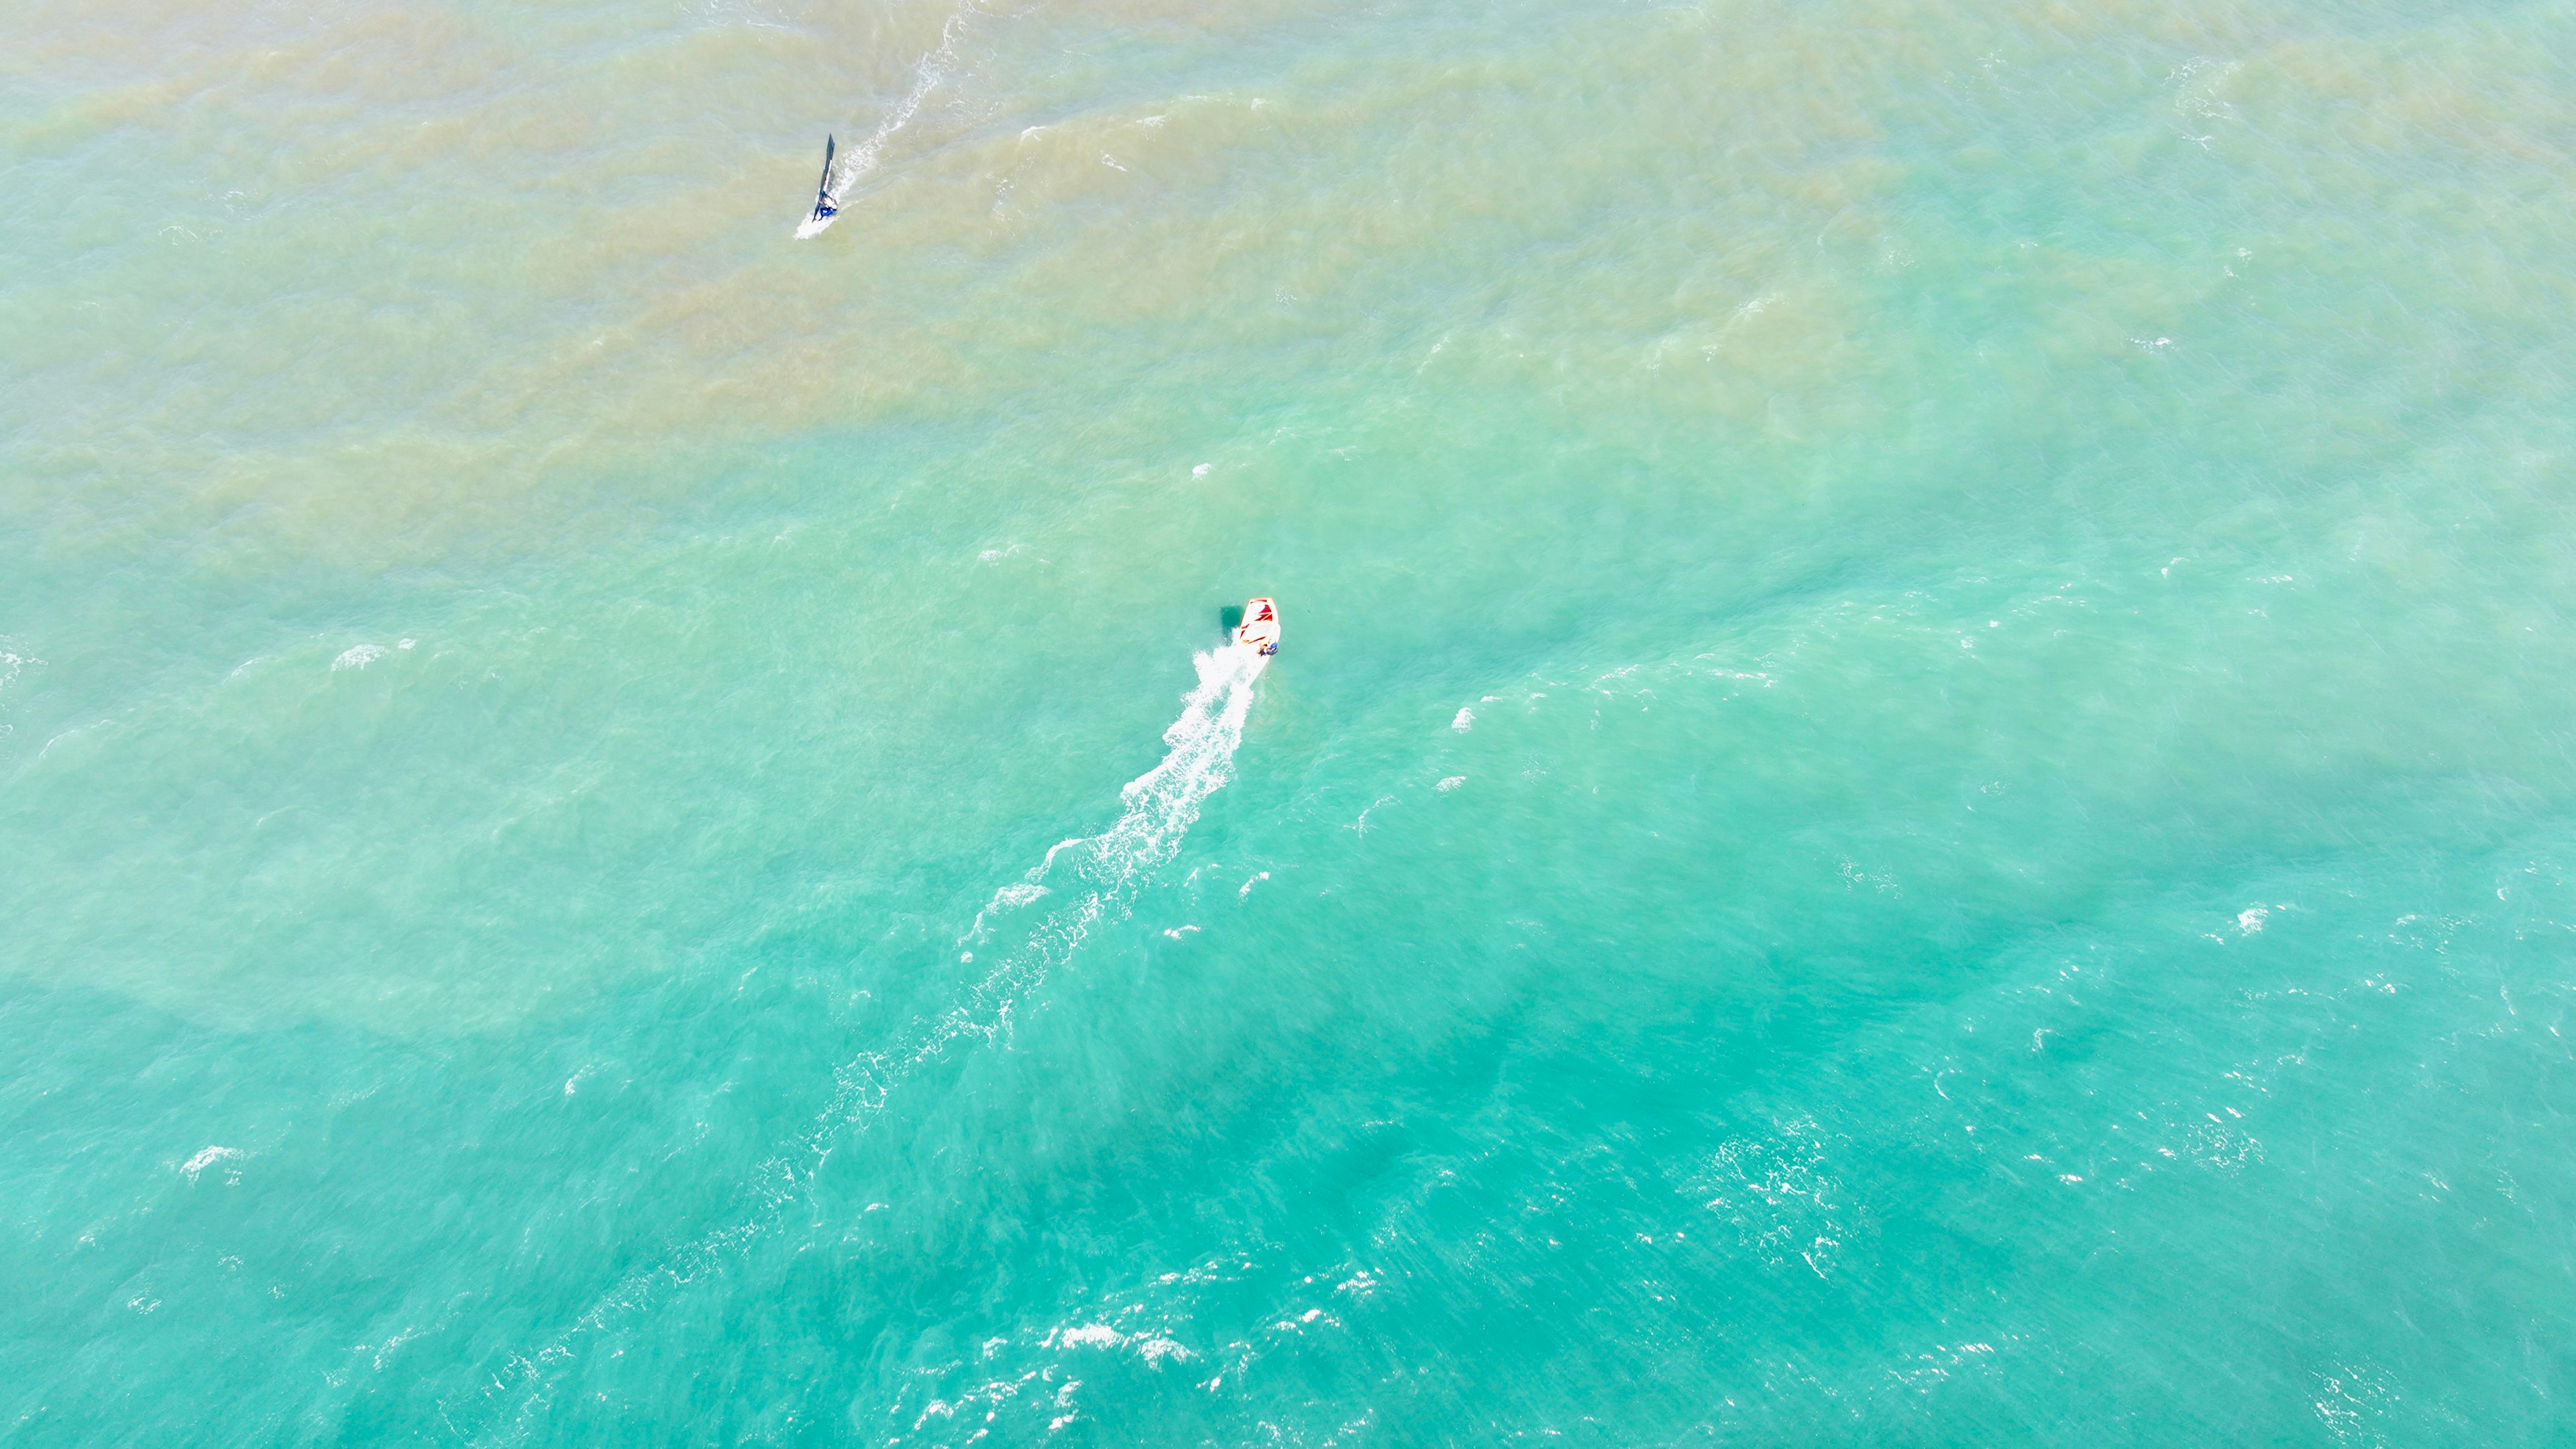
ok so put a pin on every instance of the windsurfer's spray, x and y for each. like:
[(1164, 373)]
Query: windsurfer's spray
[(1095, 878)]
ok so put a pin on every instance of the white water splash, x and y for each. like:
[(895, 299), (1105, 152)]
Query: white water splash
[(208, 1158), (854, 167), (11, 662), (1106, 871)]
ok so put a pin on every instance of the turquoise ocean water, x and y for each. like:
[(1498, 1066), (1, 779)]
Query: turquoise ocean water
[(1921, 790)]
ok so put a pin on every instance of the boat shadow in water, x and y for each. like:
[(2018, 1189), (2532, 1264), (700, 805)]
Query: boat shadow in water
[(1229, 619)]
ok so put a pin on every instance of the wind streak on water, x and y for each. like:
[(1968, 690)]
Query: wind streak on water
[(862, 159), (1161, 806)]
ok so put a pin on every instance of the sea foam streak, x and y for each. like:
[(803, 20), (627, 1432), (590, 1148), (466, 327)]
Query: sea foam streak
[(1105, 872), (853, 168)]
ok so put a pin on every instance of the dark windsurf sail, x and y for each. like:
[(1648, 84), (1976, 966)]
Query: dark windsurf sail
[(826, 205)]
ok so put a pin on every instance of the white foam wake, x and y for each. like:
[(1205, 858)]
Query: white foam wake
[(1105, 873), (855, 165)]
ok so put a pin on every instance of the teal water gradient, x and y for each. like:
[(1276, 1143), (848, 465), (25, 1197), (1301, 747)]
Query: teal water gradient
[(1919, 791)]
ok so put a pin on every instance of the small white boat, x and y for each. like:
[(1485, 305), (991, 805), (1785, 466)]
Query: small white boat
[(1259, 631)]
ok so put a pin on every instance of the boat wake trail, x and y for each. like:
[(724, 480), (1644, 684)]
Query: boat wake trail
[(849, 170), (1096, 878)]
